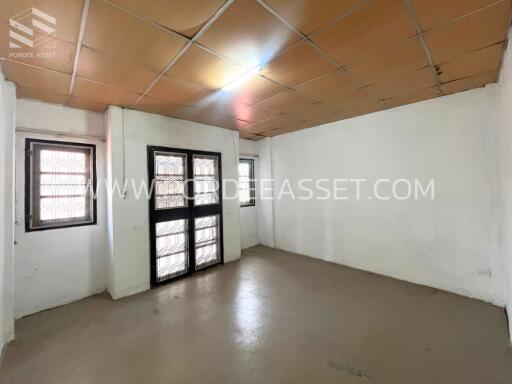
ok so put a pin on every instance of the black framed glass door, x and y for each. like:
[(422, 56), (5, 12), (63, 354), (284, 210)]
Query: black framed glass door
[(185, 212)]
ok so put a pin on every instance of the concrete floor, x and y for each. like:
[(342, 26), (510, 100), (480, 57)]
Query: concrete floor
[(273, 317)]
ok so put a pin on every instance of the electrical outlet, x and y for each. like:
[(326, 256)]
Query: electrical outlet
[(484, 273)]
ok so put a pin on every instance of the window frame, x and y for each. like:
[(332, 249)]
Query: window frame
[(252, 183), (66, 223)]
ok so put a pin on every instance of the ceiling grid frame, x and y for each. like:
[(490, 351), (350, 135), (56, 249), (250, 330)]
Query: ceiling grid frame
[(420, 34), (318, 49), (190, 42), (426, 50), (79, 43)]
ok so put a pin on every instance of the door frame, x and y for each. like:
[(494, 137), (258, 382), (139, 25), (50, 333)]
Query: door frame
[(189, 212)]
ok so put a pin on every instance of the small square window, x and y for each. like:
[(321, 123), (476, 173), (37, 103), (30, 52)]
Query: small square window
[(246, 188), (60, 184)]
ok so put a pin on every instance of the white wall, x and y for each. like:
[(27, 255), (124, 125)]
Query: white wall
[(500, 113), (249, 215), (130, 217), (265, 192), (450, 243), (58, 266), (7, 111)]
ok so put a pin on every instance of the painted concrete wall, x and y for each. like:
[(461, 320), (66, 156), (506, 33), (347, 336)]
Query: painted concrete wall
[(7, 112), (58, 266), (249, 215), (130, 216), (500, 113), (265, 192), (449, 243)]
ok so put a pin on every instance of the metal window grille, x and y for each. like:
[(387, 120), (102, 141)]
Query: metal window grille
[(207, 241), (206, 180), (170, 180), (61, 182), (171, 249)]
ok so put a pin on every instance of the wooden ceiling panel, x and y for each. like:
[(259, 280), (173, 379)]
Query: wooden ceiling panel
[(222, 104), (180, 92), (317, 115), (158, 106), (255, 90), (129, 38), (414, 97), (403, 58), (275, 132), (202, 116), (290, 128), (286, 102), (355, 104), (280, 122), (309, 15), (201, 67), (36, 78), (128, 43), (250, 136), (67, 15), (403, 83), (248, 34), (377, 26), (481, 61), (297, 65), (100, 93), (470, 82), (476, 31), (255, 114), (328, 87), (254, 129), (100, 67), (37, 94), (187, 17), (432, 13), (79, 103), (58, 58)]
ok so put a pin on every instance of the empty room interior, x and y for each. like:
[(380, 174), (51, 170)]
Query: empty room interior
[(255, 191)]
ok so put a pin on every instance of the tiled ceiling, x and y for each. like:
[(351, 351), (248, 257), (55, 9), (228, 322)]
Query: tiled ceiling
[(321, 60)]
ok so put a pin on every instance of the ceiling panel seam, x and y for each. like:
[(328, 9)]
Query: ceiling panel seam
[(319, 50), (426, 50), (199, 33), (83, 23)]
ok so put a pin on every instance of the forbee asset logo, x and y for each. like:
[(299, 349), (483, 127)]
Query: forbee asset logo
[(32, 35)]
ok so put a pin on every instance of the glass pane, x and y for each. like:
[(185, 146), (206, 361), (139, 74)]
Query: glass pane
[(244, 169), (207, 237), (64, 161), (170, 175), (60, 208), (206, 180), (171, 249), (245, 183), (245, 196)]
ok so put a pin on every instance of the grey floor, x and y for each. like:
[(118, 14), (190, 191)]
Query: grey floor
[(273, 317)]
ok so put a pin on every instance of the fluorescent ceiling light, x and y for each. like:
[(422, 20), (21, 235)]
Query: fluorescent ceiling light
[(242, 78)]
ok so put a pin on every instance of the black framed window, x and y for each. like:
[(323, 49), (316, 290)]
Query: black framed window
[(60, 184), (246, 188)]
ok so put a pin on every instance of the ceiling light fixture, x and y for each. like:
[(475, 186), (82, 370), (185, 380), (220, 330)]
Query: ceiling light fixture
[(242, 78)]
